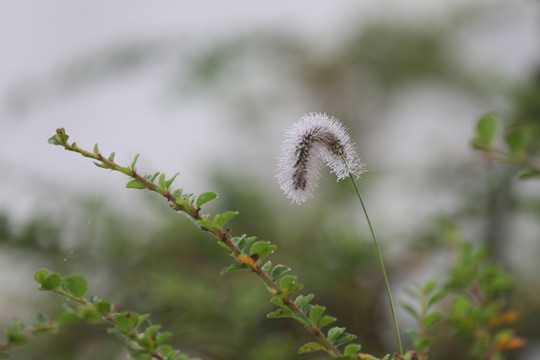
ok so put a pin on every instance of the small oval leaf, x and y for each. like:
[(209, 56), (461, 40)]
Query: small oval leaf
[(161, 182), (352, 349), (287, 281), (432, 318), (205, 197), (76, 285), (221, 219), (263, 249), (52, 282), (311, 347), (344, 338), (315, 313), (278, 271), (326, 320), (136, 184), (41, 275), (233, 268), (334, 332), (266, 267), (280, 313), (487, 130)]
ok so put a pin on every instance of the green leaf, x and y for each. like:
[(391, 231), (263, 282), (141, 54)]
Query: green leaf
[(461, 307), (266, 267), (104, 307), (166, 350), (294, 287), (487, 130), (127, 321), (96, 150), (205, 197), (207, 224), (141, 318), (409, 356), (221, 219), (90, 315), (42, 318), (51, 283), (326, 320), (518, 140), (111, 157), (432, 318), (411, 310), (413, 335), (170, 181), (352, 349), (528, 174), (301, 301), (102, 165), (301, 318), (177, 193), (311, 347), (245, 242), (176, 355), (140, 354), (184, 205), (67, 317), (439, 295), (53, 140), (233, 268), (136, 184), (280, 313), (76, 285), (414, 293), (334, 332), (162, 337), (287, 281), (56, 139), (344, 338), (224, 245), (152, 177), (263, 249), (237, 239), (134, 162), (15, 335), (429, 287), (278, 271), (315, 313), (423, 344), (41, 275), (277, 300), (161, 182), (151, 330), (4, 355)]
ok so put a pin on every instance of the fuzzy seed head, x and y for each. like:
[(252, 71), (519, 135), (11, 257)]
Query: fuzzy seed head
[(313, 140)]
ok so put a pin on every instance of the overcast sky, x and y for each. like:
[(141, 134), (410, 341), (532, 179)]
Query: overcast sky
[(128, 115)]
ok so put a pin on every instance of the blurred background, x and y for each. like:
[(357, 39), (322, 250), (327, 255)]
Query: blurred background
[(207, 89)]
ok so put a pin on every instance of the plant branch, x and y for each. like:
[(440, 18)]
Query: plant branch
[(186, 204), (493, 153), (108, 318)]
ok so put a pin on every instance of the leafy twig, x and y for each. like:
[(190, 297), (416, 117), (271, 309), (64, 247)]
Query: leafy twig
[(281, 286), (145, 343)]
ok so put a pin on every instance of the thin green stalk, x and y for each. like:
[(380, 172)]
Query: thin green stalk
[(382, 265)]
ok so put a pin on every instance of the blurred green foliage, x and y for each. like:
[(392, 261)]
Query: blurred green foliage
[(171, 270)]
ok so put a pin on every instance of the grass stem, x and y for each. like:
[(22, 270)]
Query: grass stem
[(381, 262)]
